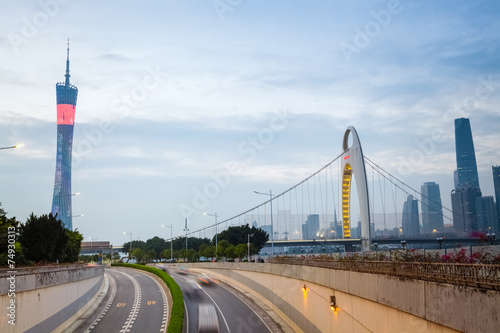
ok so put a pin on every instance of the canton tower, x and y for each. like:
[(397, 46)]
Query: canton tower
[(66, 106)]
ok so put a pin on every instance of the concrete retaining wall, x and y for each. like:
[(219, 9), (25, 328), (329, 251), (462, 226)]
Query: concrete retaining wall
[(367, 302), (46, 298)]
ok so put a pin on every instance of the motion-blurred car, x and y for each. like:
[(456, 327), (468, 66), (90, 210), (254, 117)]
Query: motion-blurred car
[(207, 279), (192, 288), (183, 270), (207, 319)]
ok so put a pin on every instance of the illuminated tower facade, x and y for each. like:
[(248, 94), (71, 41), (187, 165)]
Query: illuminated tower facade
[(66, 106)]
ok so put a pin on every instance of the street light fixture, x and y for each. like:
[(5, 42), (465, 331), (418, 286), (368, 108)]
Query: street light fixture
[(440, 241), (171, 240), (270, 194), (13, 147), (491, 237), (215, 215)]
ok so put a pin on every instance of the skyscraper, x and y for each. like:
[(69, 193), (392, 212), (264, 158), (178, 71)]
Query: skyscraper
[(463, 202), (496, 184), (466, 157), (66, 94), (486, 214), (410, 223), (311, 227), (466, 192), (432, 210)]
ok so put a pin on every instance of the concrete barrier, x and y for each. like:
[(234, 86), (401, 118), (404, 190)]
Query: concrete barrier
[(46, 298), (366, 302)]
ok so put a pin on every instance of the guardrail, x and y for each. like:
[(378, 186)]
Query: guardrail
[(476, 275)]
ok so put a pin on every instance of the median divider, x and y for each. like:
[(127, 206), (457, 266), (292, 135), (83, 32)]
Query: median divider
[(176, 322)]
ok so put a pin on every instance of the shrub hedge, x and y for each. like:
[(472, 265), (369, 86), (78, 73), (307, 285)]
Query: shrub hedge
[(177, 318)]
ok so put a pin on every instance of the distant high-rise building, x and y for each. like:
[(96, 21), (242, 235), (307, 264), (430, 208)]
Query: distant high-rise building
[(410, 223), (466, 157), (267, 228), (66, 94), (496, 184), (311, 227), (432, 209), (486, 213), (463, 202)]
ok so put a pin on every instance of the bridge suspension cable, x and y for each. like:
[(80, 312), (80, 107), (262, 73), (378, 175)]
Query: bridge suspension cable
[(305, 181), (401, 185)]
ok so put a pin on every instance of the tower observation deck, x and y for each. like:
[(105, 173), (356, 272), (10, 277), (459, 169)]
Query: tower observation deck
[(66, 94)]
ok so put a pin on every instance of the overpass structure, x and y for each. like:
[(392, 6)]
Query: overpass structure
[(353, 245)]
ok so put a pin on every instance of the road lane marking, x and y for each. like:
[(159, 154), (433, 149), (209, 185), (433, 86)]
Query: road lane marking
[(163, 327), (135, 306), (262, 320), (108, 305)]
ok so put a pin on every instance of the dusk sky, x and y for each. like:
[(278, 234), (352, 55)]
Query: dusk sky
[(172, 93)]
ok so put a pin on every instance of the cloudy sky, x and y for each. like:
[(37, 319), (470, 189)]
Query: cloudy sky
[(173, 94)]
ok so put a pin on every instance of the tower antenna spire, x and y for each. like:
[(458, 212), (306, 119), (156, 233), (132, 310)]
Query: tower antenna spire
[(67, 66)]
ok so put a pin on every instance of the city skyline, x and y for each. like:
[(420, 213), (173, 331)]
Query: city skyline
[(165, 108)]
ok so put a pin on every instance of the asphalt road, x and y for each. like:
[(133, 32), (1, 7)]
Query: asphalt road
[(235, 313), (135, 303)]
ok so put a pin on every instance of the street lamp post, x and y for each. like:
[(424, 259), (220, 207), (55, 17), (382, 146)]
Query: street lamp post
[(216, 231), (440, 241), (186, 230), (171, 240), (131, 244), (491, 237), (375, 245), (270, 194), (248, 245)]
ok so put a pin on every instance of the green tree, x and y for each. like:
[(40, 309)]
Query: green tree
[(230, 252), (135, 244), (189, 254), (138, 254), (221, 248), (241, 250), (239, 235), (157, 244), (73, 245), (209, 252), (179, 254), (150, 255), (9, 232), (43, 238), (165, 254)]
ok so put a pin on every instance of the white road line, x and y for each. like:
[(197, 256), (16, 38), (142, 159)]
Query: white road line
[(165, 303), (187, 317), (248, 306), (111, 299), (136, 305), (222, 315)]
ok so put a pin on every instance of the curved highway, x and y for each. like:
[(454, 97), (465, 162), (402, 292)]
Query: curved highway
[(135, 302), (234, 311)]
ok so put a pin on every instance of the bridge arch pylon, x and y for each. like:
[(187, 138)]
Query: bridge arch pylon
[(353, 164)]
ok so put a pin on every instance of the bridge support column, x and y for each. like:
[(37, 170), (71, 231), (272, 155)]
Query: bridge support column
[(353, 163)]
